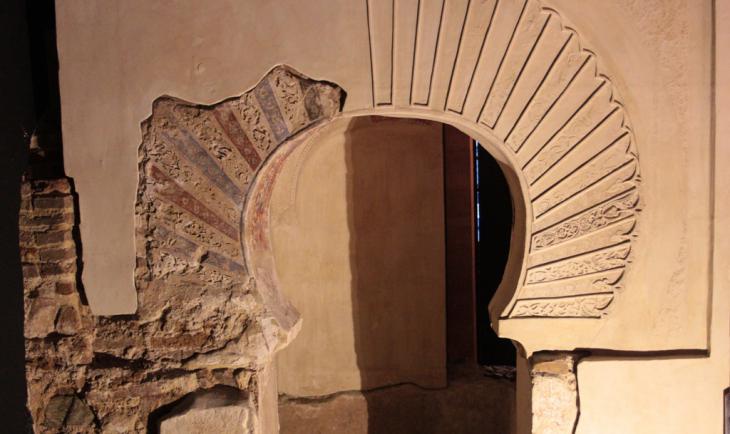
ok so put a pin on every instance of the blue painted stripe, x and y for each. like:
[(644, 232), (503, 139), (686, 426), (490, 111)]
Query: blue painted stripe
[(197, 155), (267, 100)]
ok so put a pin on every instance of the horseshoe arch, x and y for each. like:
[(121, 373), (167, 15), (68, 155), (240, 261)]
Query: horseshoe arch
[(508, 73)]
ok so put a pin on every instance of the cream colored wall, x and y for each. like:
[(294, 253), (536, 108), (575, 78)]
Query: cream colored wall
[(358, 234), (677, 394), (118, 56)]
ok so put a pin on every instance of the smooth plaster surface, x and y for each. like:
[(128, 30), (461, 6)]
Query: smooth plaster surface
[(358, 238), (675, 394)]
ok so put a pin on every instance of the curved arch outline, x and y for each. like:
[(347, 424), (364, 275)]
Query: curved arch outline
[(541, 108)]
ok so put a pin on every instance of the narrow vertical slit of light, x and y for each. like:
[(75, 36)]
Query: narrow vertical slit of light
[(493, 230), (476, 187)]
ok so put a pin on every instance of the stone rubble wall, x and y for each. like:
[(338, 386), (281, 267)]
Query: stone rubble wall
[(555, 404), (57, 324), (75, 385)]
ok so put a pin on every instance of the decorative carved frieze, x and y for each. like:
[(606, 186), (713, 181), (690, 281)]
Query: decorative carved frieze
[(197, 164), (590, 306)]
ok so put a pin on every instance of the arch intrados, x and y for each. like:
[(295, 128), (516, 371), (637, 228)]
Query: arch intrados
[(261, 261)]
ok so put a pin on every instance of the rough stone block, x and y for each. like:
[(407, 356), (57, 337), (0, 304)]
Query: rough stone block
[(67, 411), (224, 410), (41, 317), (68, 320), (554, 393)]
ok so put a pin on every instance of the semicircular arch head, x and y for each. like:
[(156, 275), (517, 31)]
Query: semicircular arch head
[(507, 73), (513, 75)]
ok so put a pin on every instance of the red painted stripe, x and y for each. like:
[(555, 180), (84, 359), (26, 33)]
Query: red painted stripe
[(177, 195), (237, 136)]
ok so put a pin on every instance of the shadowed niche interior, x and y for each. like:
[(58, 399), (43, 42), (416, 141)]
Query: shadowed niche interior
[(374, 229)]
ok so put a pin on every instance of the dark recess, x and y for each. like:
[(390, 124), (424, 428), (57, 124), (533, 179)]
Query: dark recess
[(30, 104), (494, 228)]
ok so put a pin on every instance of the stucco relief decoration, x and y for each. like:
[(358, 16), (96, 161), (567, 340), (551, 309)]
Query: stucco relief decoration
[(512, 68), (197, 164), (515, 70)]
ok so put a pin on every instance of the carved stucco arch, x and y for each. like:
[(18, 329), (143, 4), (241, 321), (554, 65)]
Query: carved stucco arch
[(508, 73)]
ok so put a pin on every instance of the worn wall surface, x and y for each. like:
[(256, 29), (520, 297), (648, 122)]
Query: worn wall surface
[(474, 403), (204, 322), (357, 227)]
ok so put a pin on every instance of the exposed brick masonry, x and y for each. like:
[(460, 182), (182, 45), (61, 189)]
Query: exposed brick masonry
[(57, 323)]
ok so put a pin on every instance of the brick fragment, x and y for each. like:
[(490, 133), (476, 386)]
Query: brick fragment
[(56, 255), (30, 271), (53, 202), (49, 186), (65, 288), (52, 237), (30, 221), (55, 269), (26, 237)]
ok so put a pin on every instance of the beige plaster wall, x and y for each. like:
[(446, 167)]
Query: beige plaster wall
[(675, 394), (117, 57), (358, 235)]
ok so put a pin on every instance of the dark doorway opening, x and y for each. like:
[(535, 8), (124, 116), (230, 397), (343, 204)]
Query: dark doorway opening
[(478, 219), (494, 221)]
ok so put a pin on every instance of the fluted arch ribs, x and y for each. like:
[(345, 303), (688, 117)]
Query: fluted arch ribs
[(512, 67), (509, 67)]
